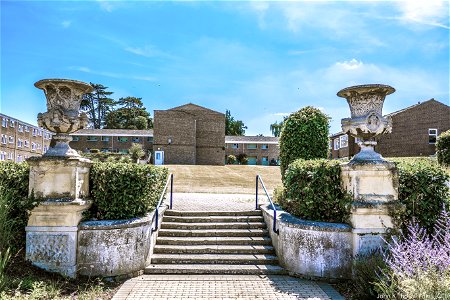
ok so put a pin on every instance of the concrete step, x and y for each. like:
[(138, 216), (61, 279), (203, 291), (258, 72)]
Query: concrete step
[(213, 232), (213, 249), (234, 259), (195, 226), (217, 219), (215, 269), (171, 212), (163, 240)]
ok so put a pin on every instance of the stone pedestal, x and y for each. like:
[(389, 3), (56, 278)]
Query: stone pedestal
[(52, 231), (374, 187)]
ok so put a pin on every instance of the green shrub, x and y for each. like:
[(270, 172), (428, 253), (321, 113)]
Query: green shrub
[(105, 156), (313, 191), (443, 148), (136, 152), (279, 194), (365, 275), (304, 135), (423, 191), (242, 159), (123, 191), (231, 159), (14, 204)]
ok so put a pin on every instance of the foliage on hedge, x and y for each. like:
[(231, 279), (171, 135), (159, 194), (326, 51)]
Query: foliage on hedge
[(123, 191), (313, 191), (423, 190), (107, 156), (14, 203), (443, 148), (304, 135)]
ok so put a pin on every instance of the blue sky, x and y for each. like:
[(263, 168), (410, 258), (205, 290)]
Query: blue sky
[(261, 60)]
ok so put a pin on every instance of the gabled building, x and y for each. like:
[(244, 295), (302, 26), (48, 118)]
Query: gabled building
[(189, 134), (414, 132)]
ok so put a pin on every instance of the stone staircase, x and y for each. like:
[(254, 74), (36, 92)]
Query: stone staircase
[(213, 243)]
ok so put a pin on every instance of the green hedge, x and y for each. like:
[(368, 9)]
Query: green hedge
[(313, 191), (14, 204), (123, 191), (443, 148), (423, 191)]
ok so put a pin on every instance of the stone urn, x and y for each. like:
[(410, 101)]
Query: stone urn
[(367, 121), (62, 117)]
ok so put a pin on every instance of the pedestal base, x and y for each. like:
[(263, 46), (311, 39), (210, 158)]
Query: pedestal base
[(64, 178)]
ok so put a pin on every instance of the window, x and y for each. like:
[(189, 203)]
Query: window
[(20, 128), (39, 146), (265, 160), (10, 156), (358, 140), (4, 139), (123, 151), (336, 144), (122, 139), (19, 158), (235, 146), (34, 131), (19, 143), (25, 143), (330, 145), (432, 135), (45, 149), (343, 141), (75, 138), (105, 150), (105, 138), (27, 129), (11, 140), (4, 122), (2, 155), (252, 146), (264, 146), (11, 123), (136, 140), (91, 138), (150, 139), (33, 146), (39, 132)]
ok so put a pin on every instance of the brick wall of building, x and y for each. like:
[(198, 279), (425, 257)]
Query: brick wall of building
[(21, 140), (266, 147)]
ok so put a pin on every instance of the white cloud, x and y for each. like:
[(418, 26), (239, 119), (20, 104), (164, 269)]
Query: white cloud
[(350, 65), (148, 51), (428, 12), (107, 6), (66, 23), (111, 74)]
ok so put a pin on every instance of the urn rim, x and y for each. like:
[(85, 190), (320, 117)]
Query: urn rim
[(87, 88), (356, 88)]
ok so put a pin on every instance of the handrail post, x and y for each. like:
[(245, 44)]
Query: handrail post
[(257, 177), (156, 219), (171, 190), (275, 221)]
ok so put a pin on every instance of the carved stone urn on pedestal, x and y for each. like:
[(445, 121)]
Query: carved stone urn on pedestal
[(372, 180), (59, 179)]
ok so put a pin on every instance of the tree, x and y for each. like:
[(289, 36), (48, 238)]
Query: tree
[(132, 115), (276, 128), (304, 135), (97, 105), (232, 126), (136, 152)]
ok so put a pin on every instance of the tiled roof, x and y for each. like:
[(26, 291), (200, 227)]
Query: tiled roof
[(251, 139), (114, 132), (194, 107)]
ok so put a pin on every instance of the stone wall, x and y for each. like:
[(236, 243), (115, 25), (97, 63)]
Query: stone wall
[(311, 249)]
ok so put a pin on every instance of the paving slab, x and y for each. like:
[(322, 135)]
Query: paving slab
[(268, 287)]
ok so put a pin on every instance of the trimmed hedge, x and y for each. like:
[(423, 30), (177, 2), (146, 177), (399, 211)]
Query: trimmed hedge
[(124, 191), (443, 148), (423, 190), (304, 135), (14, 203), (313, 191)]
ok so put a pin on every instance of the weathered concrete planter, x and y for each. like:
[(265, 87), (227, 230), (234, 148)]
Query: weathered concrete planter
[(115, 248), (311, 249)]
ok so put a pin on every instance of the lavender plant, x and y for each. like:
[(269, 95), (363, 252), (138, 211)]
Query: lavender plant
[(418, 264)]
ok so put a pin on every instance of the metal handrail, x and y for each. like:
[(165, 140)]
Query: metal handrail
[(258, 180), (161, 198)]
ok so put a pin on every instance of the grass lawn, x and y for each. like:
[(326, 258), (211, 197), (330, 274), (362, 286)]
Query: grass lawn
[(228, 179)]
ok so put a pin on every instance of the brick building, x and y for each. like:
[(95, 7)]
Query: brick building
[(260, 150), (189, 134), (111, 140), (20, 140), (414, 132)]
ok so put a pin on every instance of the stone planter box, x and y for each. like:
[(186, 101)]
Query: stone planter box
[(311, 249), (115, 248)]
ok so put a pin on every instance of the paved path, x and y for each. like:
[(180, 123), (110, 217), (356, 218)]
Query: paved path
[(215, 202), (270, 287)]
